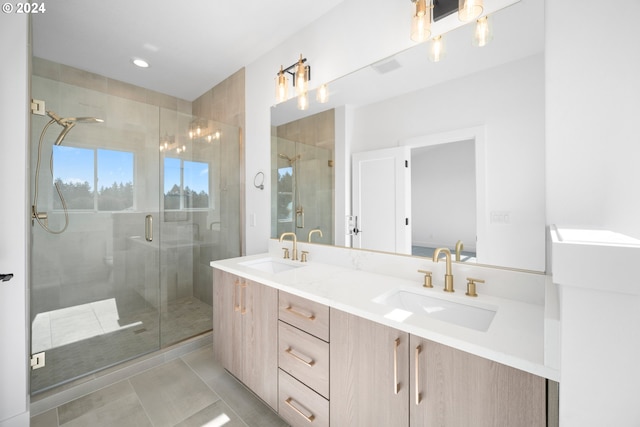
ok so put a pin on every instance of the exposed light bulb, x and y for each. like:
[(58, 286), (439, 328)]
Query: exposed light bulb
[(421, 22), (469, 9), (302, 77), (282, 88)]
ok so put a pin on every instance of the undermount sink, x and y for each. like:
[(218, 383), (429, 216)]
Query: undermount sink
[(407, 303), (271, 265)]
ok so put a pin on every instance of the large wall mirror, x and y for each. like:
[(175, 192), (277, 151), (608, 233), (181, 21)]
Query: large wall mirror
[(472, 130)]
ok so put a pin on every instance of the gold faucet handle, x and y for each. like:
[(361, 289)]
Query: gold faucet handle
[(471, 286), (427, 278), (303, 256), (286, 253)]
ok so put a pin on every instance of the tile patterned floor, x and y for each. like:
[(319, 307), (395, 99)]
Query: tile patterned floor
[(190, 391)]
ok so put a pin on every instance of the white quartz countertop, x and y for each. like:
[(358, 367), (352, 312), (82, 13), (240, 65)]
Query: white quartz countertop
[(515, 337)]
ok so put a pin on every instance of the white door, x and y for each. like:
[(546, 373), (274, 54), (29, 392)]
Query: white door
[(381, 200)]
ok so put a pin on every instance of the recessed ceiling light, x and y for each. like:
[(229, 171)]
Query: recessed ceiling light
[(141, 63)]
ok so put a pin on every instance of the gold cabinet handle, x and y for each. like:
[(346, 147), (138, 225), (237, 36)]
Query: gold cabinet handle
[(417, 379), (308, 316), (236, 304), (302, 358), (243, 301), (289, 401), (396, 386)]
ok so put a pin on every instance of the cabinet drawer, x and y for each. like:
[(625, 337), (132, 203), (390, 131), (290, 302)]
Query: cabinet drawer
[(299, 405), (311, 317), (305, 357)]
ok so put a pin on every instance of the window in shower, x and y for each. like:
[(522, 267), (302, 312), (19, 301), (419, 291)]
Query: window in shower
[(186, 184), (285, 194), (94, 178)]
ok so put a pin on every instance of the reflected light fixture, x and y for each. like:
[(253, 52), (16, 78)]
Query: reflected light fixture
[(421, 21), (303, 101), (437, 49), (483, 32), (469, 10), (322, 94)]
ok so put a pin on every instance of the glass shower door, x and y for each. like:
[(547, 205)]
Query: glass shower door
[(95, 267)]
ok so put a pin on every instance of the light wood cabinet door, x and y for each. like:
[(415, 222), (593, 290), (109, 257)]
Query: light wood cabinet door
[(227, 322), (369, 378), (454, 388), (260, 340), (245, 330)]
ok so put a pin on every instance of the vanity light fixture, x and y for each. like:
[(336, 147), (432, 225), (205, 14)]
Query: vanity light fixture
[(437, 50), (483, 32), (421, 21), (469, 10), (301, 74)]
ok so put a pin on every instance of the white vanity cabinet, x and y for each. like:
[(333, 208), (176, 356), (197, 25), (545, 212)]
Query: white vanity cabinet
[(303, 357), (245, 326), (375, 380)]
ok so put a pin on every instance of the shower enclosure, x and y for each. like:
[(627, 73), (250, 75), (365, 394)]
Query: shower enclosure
[(130, 212), (302, 195)]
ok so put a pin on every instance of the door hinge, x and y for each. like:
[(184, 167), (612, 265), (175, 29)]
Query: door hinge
[(37, 107), (406, 221), (406, 163), (37, 360)]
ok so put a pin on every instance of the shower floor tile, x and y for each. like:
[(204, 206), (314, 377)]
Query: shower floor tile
[(84, 339)]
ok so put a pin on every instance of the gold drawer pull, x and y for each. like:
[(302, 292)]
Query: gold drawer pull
[(418, 349), (307, 316), (309, 418), (396, 386), (291, 352)]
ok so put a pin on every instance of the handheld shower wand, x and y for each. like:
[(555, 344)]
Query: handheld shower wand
[(67, 124)]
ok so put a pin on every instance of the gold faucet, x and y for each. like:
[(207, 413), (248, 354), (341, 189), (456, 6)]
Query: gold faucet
[(459, 248), (448, 277), (315, 230), (295, 243)]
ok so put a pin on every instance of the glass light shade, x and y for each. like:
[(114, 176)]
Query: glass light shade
[(282, 87), (302, 77), (469, 10), (303, 101), (483, 33), (437, 50), (421, 22), (322, 94)]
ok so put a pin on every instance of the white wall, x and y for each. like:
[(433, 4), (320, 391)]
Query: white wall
[(593, 107), (509, 102), (14, 75)]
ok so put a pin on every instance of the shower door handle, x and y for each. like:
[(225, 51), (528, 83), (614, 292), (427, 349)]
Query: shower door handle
[(148, 228)]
